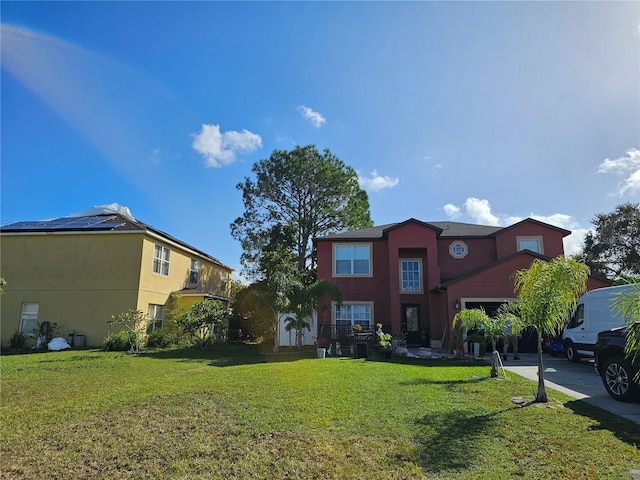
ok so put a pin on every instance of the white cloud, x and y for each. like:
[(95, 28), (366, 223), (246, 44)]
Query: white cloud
[(629, 166), (572, 243), (557, 219), (316, 118), (220, 148), (480, 212), (377, 182), (155, 155), (452, 210)]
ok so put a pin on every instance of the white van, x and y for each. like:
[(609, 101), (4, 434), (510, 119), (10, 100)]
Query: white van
[(594, 314)]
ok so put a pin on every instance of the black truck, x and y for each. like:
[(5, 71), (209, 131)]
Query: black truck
[(618, 373)]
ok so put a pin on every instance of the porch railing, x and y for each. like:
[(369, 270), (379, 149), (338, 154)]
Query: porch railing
[(344, 334)]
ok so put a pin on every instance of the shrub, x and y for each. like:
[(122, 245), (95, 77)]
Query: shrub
[(161, 338), (18, 340), (119, 342), (135, 322)]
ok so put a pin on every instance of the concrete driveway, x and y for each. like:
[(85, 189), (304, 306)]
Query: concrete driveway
[(578, 380)]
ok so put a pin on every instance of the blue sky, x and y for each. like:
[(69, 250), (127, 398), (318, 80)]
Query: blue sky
[(480, 112)]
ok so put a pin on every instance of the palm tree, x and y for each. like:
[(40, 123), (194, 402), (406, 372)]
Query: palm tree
[(491, 328), (547, 296), (303, 301), (627, 304)]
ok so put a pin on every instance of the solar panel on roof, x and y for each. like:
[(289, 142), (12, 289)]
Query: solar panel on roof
[(69, 223)]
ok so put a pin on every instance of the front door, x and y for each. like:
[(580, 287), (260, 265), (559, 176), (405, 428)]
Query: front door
[(411, 324)]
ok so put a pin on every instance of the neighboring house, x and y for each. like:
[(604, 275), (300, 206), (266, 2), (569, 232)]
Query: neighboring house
[(78, 271), (414, 276)]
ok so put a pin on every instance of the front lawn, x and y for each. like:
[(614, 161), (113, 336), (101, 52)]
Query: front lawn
[(233, 413)]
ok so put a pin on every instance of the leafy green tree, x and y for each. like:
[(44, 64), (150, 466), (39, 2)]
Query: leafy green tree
[(135, 322), (296, 196), (613, 249), (260, 303), (303, 301), (547, 296), (3, 283), (203, 320)]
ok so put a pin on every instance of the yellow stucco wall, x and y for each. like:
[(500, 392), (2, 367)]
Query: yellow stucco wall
[(155, 288), (80, 280)]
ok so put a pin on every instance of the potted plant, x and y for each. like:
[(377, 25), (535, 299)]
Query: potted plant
[(384, 340), (401, 345), (321, 351)]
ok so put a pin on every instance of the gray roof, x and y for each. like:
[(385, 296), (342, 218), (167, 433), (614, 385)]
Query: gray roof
[(444, 229)]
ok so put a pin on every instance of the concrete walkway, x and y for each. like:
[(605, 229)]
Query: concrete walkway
[(578, 380)]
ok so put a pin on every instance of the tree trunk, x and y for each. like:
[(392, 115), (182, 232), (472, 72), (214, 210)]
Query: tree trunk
[(299, 338), (276, 336), (541, 396), (494, 365)]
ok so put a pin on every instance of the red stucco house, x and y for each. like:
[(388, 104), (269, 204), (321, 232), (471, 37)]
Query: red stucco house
[(414, 276)]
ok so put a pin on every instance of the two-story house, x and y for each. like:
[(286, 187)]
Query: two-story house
[(79, 270), (413, 276)]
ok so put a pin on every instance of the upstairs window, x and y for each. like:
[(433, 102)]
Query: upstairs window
[(410, 276), (530, 243), (352, 260), (458, 249), (224, 283), (194, 273), (161, 260)]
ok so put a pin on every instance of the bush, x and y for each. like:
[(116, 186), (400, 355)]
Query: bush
[(161, 338), (119, 342), (18, 340)]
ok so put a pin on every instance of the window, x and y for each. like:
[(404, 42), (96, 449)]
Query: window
[(578, 317), (194, 272), (29, 318), (458, 249), (155, 317), (530, 243), (161, 260), (352, 260), (410, 276), (349, 314)]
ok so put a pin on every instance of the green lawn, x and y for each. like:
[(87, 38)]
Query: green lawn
[(233, 413)]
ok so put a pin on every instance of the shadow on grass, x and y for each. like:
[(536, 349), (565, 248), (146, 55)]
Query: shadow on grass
[(228, 355), (625, 430), (429, 381), (459, 434), (429, 362)]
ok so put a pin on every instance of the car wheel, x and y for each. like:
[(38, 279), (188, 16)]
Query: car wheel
[(570, 350), (617, 377)]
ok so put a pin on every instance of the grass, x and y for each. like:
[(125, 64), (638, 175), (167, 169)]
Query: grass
[(235, 414)]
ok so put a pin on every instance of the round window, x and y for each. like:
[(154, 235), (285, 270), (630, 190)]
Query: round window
[(458, 249)]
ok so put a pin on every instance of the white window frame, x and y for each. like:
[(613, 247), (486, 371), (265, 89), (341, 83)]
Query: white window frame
[(453, 249), (161, 259), (156, 312), (29, 315), (352, 258), (404, 280), (349, 316), (531, 238), (194, 272)]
